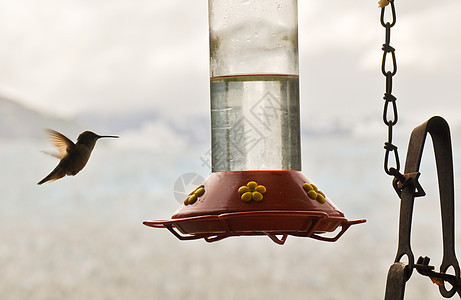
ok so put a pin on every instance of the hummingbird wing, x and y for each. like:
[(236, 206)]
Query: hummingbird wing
[(60, 141), (57, 155)]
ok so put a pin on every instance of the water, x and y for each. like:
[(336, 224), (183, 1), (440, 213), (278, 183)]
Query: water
[(255, 123), (91, 224)]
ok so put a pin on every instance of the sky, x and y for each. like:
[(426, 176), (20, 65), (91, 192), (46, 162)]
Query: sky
[(72, 57)]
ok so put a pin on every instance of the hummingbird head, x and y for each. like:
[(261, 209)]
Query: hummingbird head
[(90, 138)]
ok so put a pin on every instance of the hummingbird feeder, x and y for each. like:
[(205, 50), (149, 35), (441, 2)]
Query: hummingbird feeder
[(256, 187)]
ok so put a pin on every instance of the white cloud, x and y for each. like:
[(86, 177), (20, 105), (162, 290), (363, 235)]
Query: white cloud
[(430, 39), (72, 56), (154, 136), (68, 56)]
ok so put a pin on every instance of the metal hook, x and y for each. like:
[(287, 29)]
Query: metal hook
[(439, 130)]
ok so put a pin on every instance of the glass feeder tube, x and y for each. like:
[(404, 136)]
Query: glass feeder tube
[(254, 85)]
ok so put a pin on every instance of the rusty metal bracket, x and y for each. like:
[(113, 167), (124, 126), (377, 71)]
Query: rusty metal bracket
[(410, 188), (396, 279), (423, 268), (407, 180)]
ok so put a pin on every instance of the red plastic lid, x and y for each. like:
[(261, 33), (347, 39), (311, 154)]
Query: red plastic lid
[(254, 203)]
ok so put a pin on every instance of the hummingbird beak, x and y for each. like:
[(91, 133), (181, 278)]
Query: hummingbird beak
[(108, 136)]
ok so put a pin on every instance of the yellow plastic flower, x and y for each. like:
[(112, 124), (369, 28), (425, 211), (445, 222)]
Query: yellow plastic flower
[(194, 195), (314, 193), (252, 191)]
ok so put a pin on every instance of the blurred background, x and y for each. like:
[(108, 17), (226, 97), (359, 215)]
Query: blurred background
[(140, 69)]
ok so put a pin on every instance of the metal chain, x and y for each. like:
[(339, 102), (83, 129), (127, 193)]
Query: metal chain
[(390, 105)]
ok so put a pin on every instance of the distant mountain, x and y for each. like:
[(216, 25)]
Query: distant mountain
[(18, 121), (194, 129)]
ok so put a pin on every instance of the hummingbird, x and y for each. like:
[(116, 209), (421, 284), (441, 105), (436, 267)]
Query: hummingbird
[(73, 157)]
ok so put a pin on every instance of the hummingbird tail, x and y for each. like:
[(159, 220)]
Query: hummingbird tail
[(54, 175)]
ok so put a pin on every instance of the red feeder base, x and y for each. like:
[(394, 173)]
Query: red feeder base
[(268, 203)]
